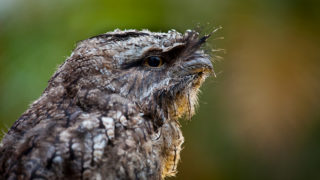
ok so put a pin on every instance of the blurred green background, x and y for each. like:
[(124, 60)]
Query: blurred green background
[(259, 119)]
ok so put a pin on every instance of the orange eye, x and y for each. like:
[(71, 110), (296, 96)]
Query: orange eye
[(154, 61)]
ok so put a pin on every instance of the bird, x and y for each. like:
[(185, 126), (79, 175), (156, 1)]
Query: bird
[(111, 110)]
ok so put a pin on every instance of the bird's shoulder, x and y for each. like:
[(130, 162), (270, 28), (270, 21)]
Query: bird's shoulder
[(53, 148)]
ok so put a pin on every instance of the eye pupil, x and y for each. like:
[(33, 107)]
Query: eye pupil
[(154, 61)]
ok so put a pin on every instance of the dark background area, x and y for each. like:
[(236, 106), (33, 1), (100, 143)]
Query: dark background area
[(259, 119)]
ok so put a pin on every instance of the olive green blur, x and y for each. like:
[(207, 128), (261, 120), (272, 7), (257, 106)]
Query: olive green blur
[(258, 119)]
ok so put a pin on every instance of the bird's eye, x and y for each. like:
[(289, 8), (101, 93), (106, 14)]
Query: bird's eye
[(154, 61)]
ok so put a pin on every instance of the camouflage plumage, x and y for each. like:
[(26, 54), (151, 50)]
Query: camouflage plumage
[(107, 113)]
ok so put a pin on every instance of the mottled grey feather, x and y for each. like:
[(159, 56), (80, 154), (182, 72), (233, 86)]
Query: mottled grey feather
[(107, 114)]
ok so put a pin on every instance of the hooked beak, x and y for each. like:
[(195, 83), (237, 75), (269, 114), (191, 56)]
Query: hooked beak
[(199, 65)]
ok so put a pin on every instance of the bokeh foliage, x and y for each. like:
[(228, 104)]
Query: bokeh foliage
[(259, 119)]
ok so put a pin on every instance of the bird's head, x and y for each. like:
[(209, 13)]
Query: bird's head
[(160, 72)]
